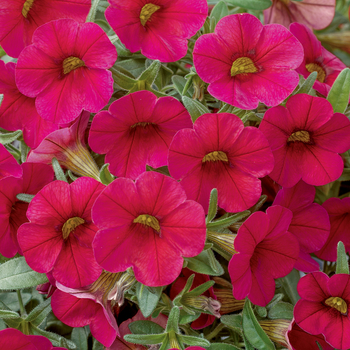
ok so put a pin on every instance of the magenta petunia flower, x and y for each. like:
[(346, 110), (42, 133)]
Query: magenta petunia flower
[(324, 307), (60, 232), (317, 59), (66, 69), (13, 211), (148, 225), (159, 28), (18, 112), (13, 339), (221, 153), (8, 164), (266, 250), (20, 18), (339, 215), (305, 138), (316, 14), (246, 62), (67, 145), (137, 130), (310, 223)]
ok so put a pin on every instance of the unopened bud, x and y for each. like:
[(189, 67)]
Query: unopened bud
[(276, 330), (223, 240), (202, 303)]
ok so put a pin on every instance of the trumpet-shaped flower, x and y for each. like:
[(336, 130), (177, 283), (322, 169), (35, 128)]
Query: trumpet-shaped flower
[(66, 69), (245, 62), (59, 236), (137, 130), (221, 153), (159, 28), (148, 225), (305, 138)]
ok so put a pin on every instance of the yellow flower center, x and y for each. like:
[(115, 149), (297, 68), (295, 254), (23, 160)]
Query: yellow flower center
[(302, 136), (314, 67), (215, 156), (72, 63), (26, 7), (147, 11), (148, 220), (70, 225), (243, 65), (338, 304)]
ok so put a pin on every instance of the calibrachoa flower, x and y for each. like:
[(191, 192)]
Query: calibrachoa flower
[(18, 111), (317, 59), (66, 69), (148, 225), (13, 211), (339, 215), (305, 138), (310, 223), (13, 339), (266, 250), (316, 14), (221, 153), (324, 307), (67, 145), (159, 28), (137, 130), (8, 164), (246, 62), (60, 232), (20, 18)]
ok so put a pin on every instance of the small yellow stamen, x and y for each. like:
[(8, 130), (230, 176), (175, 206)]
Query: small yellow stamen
[(338, 304), (243, 65), (148, 220), (302, 136), (147, 11), (70, 225), (26, 7), (314, 67), (144, 124), (215, 156), (72, 63)]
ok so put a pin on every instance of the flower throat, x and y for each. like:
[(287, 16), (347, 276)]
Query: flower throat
[(147, 11), (26, 7)]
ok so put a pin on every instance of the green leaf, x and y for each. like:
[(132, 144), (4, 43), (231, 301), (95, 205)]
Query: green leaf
[(342, 259), (11, 300), (38, 314), (233, 321), (261, 311), (281, 310), (202, 264), (10, 137), (289, 284), (145, 327), (24, 197), (179, 84), (105, 176), (201, 288), (173, 320), (79, 337), (219, 11), (247, 344), (151, 72), (253, 331), (222, 346), (251, 4), (9, 314), (319, 345), (213, 205), (58, 170), (187, 318), (194, 341), (339, 94), (145, 339), (147, 300), (97, 345), (195, 108), (308, 84), (276, 298), (16, 274), (223, 223), (122, 80)]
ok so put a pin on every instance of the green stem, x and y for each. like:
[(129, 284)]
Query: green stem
[(92, 14), (216, 331), (20, 301), (178, 65)]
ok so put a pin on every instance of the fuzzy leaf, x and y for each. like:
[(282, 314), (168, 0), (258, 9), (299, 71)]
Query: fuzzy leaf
[(145, 327), (79, 337), (180, 84), (10, 137), (24, 197), (289, 284), (195, 108), (145, 339), (281, 310), (9, 314), (223, 223), (147, 300), (173, 320), (58, 170), (38, 314), (202, 264), (194, 341), (151, 72), (105, 176), (219, 11), (308, 84), (342, 259), (339, 94), (251, 4), (233, 321), (213, 205), (222, 346)]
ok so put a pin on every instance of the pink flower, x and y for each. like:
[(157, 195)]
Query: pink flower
[(220, 153), (148, 225), (305, 138), (67, 145), (317, 59), (8, 164), (60, 233), (246, 62), (18, 111), (13, 211), (66, 69), (159, 28), (324, 307), (20, 18), (13, 339), (316, 14), (310, 223), (339, 215), (266, 250), (137, 130)]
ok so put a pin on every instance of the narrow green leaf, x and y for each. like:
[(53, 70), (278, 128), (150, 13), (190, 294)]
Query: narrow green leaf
[(253, 331), (79, 337), (289, 284), (39, 313), (145, 339), (16, 274), (195, 108), (147, 300), (261, 311), (188, 286), (223, 223), (9, 314), (319, 345), (342, 259), (281, 310), (97, 345), (58, 170), (11, 300), (251, 4), (222, 346), (339, 94), (151, 72), (180, 84), (233, 321), (187, 318), (145, 327), (71, 176), (219, 11), (122, 80), (247, 344), (105, 176), (201, 264), (194, 341), (308, 84), (10, 137), (173, 320), (24, 197), (201, 288), (213, 205)]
